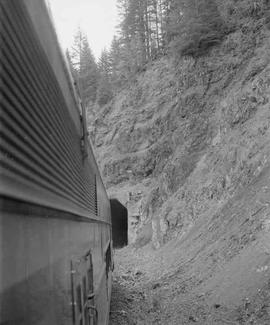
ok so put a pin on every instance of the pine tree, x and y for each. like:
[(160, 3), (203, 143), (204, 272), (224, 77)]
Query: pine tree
[(194, 26), (85, 67), (115, 59), (104, 63), (104, 93), (141, 32)]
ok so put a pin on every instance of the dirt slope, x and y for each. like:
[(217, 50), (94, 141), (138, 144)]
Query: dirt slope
[(187, 149), (188, 139), (218, 273)]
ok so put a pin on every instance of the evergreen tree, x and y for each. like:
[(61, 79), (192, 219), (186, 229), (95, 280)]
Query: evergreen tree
[(194, 26), (104, 93), (104, 63), (148, 28), (115, 59), (85, 67), (141, 32)]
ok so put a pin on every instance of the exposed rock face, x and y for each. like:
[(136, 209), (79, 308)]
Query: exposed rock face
[(188, 139)]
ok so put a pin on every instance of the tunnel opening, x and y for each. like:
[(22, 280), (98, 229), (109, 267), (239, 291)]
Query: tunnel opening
[(119, 215)]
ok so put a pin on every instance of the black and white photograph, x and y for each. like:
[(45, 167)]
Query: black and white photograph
[(134, 162)]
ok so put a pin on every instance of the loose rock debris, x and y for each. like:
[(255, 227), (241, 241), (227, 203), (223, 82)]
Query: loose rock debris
[(141, 295)]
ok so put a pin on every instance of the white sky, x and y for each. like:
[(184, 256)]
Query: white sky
[(97, 18)]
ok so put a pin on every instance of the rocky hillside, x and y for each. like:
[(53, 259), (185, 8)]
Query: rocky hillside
[(186, 147), (188, 137)]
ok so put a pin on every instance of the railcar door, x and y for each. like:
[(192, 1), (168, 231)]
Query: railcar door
[(83, 298)]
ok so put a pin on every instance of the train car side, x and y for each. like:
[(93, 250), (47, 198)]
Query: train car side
[(50, 266), (55, 224)]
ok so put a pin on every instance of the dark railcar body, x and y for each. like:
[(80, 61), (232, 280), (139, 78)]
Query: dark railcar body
[(55, 224)]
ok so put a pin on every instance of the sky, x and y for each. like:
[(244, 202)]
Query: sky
[(97, 18)]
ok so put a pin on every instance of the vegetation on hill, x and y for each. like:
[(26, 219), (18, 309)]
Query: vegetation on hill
[(182, 123), (149, 30), (164, 93)]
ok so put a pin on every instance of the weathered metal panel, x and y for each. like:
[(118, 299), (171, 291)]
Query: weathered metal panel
[(35, 272), (54, 205), (41, 160)]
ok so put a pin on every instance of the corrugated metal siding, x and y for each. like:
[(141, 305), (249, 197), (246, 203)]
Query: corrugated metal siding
[(41, 159)]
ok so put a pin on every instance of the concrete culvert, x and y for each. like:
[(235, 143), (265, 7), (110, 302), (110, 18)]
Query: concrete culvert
[(119, 224)]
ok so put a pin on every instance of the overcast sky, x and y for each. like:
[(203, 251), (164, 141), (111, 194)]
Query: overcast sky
[(97, 18)]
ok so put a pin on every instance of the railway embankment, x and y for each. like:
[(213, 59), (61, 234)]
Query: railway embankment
[(218, 273), (186, 147), (180, 142)]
